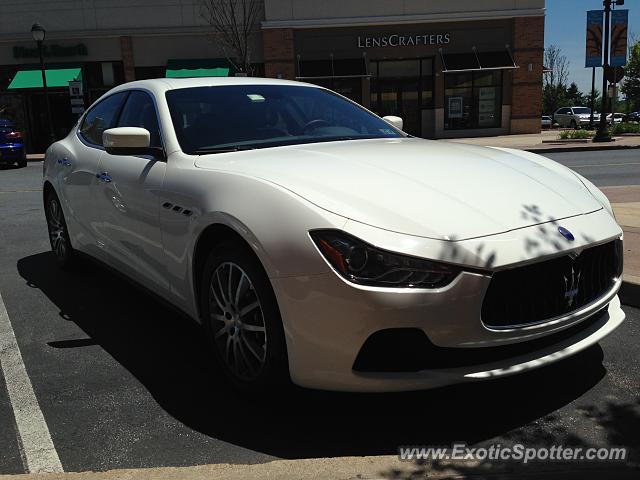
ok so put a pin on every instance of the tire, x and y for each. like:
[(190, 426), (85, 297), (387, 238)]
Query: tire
[(58, 232), (249, 348), (573, 124), (22, 162)]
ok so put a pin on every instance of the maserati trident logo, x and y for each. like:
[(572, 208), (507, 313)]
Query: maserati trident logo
[(571, 286)]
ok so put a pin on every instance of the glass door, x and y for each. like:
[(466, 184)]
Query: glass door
[(396, 90)]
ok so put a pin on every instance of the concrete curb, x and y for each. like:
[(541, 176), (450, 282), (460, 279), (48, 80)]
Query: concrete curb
[(630, 294), (576, 148)]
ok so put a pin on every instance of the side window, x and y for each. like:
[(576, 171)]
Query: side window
[(101, 117), (139, 111)]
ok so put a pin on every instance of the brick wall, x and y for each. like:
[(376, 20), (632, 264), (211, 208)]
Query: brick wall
[(526, 92), (126, 47), (279, 61)]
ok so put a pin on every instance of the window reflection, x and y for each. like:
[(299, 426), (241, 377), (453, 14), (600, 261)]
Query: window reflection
[(473, 100)]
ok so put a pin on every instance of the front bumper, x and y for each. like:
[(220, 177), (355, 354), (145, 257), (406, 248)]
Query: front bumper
[(328, 320)]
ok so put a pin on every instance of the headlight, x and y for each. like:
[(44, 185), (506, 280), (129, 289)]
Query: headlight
[(364, 264)]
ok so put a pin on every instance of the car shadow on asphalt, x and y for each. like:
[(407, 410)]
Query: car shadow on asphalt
[(166, 353)]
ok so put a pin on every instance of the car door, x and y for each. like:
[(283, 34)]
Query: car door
[(78, 166), (128, 200)]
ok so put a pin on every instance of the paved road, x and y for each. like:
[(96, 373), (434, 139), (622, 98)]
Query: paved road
[(124, 382), (606, 168)]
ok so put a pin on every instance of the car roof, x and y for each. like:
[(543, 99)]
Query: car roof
[(6, 122), (159, 85)]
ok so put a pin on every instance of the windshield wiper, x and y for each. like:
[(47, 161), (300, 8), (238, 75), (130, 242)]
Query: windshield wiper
[(208, 151)]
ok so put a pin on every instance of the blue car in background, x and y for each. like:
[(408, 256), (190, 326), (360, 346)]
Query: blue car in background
[(11, 144)]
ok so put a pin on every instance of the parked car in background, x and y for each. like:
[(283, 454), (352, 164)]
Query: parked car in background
[(633, 117), (11, 144), (615, 118), (574, 117), (547, 121)]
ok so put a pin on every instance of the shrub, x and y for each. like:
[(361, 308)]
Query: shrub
[(619, 128), (576, 134)]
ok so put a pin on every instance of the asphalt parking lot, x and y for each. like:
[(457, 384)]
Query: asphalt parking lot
[(124, 382)]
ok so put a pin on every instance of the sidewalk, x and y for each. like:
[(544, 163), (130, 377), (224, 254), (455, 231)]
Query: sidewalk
[(547, 141), (626, 205), (383, 467)]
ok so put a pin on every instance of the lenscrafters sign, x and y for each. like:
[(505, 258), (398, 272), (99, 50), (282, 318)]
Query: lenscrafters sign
[(396, 40)]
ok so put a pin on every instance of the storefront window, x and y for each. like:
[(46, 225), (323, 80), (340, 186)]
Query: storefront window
[(402, 88), (473, 100), (426, 74)]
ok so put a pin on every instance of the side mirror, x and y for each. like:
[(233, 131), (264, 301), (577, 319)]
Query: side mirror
[(394, 121), (129, 141)]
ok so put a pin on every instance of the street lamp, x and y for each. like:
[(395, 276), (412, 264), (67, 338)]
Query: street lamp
[(38, 32), (602, 135)]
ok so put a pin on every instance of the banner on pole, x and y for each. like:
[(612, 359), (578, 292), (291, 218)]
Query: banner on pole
[(594, 38), (619, 23)]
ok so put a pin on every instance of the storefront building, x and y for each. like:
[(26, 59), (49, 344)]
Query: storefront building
[(450, 69)]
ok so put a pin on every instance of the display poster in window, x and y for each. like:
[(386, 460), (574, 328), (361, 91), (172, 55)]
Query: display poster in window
[(487, 108), (455, 107)]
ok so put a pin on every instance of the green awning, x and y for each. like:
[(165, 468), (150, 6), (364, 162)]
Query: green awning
[(56, 77), (212, 67)]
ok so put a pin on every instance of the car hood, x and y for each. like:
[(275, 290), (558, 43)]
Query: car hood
[(420, 187)]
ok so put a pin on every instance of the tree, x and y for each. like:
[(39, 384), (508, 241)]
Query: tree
[(574, 96), (233, 22), (555, 79), (631, 86)]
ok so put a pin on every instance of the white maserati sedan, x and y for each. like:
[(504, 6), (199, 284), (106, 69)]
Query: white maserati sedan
[(318, 243)]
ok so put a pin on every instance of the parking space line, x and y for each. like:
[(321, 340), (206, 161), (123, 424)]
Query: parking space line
[(39, 453)]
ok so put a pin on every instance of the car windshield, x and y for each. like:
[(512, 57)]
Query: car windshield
[(238, 117), (581, 110)]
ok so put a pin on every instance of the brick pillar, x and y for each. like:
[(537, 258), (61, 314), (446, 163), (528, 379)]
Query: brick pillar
[(279, 58), (126, 47), (528, 50)]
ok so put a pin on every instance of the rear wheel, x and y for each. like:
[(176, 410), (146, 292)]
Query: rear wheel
[(58, 233), (23, 161), (242, 321)]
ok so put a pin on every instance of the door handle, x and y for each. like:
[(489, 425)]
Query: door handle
[(64, 161), (104, 176)]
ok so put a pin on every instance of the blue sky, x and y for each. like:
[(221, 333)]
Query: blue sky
[(565, 27)]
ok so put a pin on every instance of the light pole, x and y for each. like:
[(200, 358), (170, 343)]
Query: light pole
[(38, 32)]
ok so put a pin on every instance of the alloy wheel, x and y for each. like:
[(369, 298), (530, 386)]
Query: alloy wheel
[(57, 233), (237, 321)]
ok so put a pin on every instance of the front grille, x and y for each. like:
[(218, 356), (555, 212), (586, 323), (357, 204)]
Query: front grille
[(542, 291)]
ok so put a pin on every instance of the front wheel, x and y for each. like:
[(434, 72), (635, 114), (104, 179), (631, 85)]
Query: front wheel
[(22, 162), (574, 125), (58, 233), (241, 319)]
